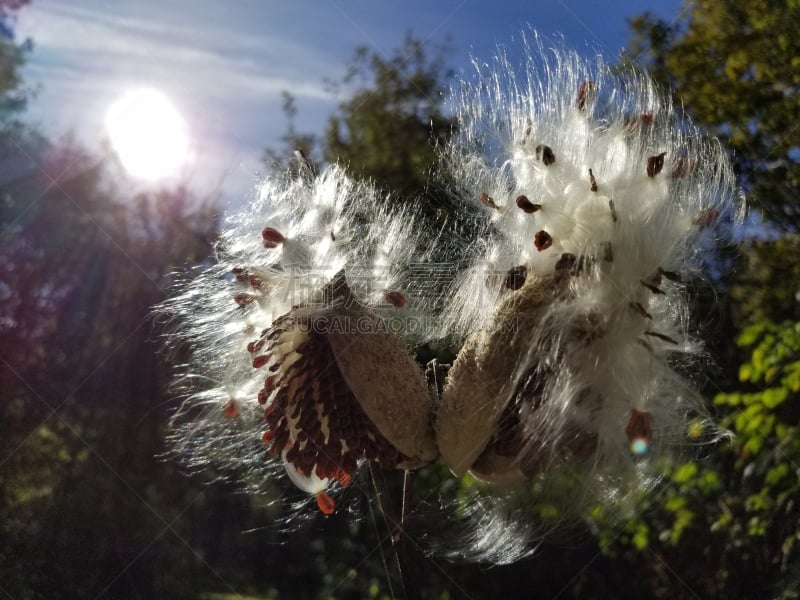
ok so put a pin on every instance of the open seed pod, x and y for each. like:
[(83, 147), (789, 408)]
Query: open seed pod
[(341, 388), (494, 420)]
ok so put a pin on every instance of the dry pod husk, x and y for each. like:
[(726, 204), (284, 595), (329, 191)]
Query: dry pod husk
[(341, 389), (493, 419)]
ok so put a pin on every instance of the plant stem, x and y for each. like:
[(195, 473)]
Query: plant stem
[(396, 527)]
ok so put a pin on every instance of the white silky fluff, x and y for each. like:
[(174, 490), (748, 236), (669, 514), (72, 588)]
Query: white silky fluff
[(656, 222), (330, 222)]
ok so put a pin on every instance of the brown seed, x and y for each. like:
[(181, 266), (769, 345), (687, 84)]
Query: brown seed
[(281, 439), (634, 123), (566, 262), (706, 217), (487, 200), (231, 409), (661, 336), (269, 412), (613, 210), (349, 463), (243, 298), (592, 181), (272, 237), (273, 415), (240, 273), (396, 299), (640, 310), (292, 454), (296, 411), (652, 283), (671, 275), (545, 154), (683, 167), (315, 432), (526, 205), (305, 464), (255, 346), (608, 252), (655, 164), (308, 419), (653, 287), (515, 277), (585, 92), (638, 426), (260, 361), (542, 240)]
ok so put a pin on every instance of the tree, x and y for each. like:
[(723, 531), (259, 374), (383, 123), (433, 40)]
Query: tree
[(13, 97), (388, 127), (295, 146), (727, 523), (84, 392), (734, 67)]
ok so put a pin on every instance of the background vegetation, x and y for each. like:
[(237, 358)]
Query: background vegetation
[(88, 510)]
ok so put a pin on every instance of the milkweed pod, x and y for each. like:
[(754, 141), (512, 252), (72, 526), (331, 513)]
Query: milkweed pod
[(495, 418), (346, 389)]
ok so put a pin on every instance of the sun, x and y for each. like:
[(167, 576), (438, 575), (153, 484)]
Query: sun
[(148, 134)]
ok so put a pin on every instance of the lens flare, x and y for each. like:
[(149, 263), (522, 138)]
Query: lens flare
[(148, 134)]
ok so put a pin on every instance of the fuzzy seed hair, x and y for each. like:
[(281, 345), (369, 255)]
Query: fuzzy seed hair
[(596, 207), (290, 341), (586, 208)]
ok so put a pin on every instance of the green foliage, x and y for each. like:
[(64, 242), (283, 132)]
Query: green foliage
[(388, 128), (13, 97), (84, 392), (736, 510), (734, 65), (767, 285)]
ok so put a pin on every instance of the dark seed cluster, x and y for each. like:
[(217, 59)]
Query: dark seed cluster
[(585, 93), (272, 237), (314, 415), (542, 240), (655, 164), (526, 205), (638, 426), (545, 154), (515, 278), (487, 200)]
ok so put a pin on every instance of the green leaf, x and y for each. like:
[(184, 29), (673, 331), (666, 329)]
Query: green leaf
[(773, 397), (776, 473), (684, 473)]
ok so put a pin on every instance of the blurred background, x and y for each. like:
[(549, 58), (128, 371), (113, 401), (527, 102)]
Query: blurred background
[(128, 129)]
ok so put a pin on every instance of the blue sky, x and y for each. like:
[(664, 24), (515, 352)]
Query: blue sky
[(224, 63)]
